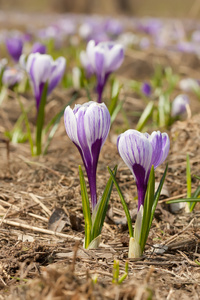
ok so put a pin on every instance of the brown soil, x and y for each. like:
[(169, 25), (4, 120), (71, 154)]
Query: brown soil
[(45, 259)]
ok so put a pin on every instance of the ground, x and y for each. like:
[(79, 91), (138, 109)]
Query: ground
[(42, 226)]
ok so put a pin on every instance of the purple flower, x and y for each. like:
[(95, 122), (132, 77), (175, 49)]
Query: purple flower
[(179, 105), (12, 76), (140, 151), (41, 69), (102, 60), (88, 126), (146, 89), (38, 47), (14, 46)]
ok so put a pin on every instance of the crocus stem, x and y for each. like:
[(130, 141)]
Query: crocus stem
[(40, 120), (100, 92), (141, 195), (100, 87), (93, 189)]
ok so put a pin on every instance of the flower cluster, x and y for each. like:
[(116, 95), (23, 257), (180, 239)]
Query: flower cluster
[(102, 59)]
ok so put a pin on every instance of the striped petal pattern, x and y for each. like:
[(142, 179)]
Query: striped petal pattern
[(102, 59), (41, 69), (140, 151), (88, 126)]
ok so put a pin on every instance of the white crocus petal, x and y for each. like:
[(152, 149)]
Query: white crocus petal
[(40, 69), (71, 125), (161, 143), (165, 146), (97, 123), (30, 59), (115, 58), (57, 71), (135, 148)]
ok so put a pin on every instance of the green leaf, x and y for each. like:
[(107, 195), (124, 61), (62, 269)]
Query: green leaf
[(197, 177), (157, 195), (28, 128), (148, 204), (55, 122), (40, 120), (125, 207), (189, 181), (145, 116), (184, 200), (116, 87), (86, 209), (116, 111), (99, 213), (1, 76), (164, 109), (195, 195)]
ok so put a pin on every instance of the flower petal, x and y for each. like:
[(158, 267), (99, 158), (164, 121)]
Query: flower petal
[(57, 72)]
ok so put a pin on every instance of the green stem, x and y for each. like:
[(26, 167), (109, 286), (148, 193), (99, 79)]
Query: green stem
[(40, 120)]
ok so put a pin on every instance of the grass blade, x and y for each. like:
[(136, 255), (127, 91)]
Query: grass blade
[(188, 175), (145, 116), (157, 195), (101, 208), (128, 217), (148, 204), (40, 120)]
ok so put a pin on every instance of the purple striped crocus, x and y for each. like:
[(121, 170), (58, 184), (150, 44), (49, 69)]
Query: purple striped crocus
[(14, 46), (179, 105), (88, 126), (42, 69), (102, 59), (140, 151), (12, 76)]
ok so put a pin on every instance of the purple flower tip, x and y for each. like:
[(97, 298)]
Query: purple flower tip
[(146, 89), (14, 46), (88, 126), (38, 47), (140, 151)]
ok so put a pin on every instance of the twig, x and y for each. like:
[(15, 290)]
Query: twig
[(192, 263), (74, 256), (40, 203), (173, 198), (18, 210), (42, 230), (177, 234)]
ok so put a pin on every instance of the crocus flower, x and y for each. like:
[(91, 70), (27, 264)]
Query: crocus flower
[(102, 60), (14, 46), (189, 84), (42, 69), (38, 47), (12, 76), (179, 105), (146, 89), (140, 151), (88, 126)]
